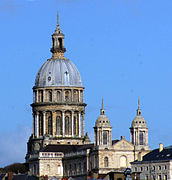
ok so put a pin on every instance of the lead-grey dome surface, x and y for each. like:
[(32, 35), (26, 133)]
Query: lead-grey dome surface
[(58, 72)]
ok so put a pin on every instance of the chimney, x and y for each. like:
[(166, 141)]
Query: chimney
[(140, 157), (122, 137), (160, 147)]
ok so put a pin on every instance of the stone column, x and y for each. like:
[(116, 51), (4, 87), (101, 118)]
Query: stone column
[(72, 123), (63, 95), (79, 94), (71, 95), (98, 137), (53, 95), (33, 114), (79, 115), (37, 96), (63, 122), (83, 124), (37, 124), (54, 122), (44, 96), (44, 121), (82, 96)]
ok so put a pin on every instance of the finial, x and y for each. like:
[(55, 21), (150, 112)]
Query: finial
[(102, 103), (138, 103), (102, 111), (139, 110), (57, 18)]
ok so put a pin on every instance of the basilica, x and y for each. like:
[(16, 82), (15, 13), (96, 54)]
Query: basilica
[(59, 146)]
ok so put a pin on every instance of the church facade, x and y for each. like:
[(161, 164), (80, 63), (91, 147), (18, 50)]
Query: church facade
[(59, 146)]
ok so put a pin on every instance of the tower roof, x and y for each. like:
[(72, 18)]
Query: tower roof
[(102, 120), (139, 121)]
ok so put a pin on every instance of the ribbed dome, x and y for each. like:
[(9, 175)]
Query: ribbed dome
[(58, 72), (139, 121), (102, 121)]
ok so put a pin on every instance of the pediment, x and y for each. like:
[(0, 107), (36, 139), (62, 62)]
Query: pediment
[(123, 144)]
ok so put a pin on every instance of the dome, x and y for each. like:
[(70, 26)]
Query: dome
[(102, 121), (139, 121), (58, 72)]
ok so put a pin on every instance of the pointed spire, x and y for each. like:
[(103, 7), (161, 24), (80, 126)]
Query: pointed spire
[(139, 110), (138, 103), (102, 103), (57, 18), (102, 111)]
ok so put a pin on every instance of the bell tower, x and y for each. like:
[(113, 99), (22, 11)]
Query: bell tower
[(103, 130), (139, 131)]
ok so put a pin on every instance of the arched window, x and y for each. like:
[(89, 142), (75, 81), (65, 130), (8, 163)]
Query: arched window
[(59, 125), (104, 137), (58, 96), (60, 43), (141, 138), (50, 96), (50, 125), (74, 125), (75, 96), (123, 161), (82, 96), (106, 163), (66, 96), (40, 124), (67, 125)]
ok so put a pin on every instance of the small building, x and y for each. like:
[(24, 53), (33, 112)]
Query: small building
[(155, 165)]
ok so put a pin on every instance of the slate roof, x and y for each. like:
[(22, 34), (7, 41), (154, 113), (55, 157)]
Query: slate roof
[(66, 148), (114, 141), (155, 155)]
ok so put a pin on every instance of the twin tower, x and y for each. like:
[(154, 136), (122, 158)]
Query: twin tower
[(59, 109)]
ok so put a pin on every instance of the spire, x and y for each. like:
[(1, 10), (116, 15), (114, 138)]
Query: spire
[(57, 18), (138, 103), (139, 110), (102, 104), (102, 111), (58, 48)]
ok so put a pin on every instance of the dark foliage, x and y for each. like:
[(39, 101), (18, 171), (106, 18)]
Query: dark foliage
[(15, 168)]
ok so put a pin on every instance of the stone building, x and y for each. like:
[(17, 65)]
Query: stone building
[(59, 146), (156, 165)]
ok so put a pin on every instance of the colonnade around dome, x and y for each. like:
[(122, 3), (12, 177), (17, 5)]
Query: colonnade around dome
[(75, 95), (59, 123)]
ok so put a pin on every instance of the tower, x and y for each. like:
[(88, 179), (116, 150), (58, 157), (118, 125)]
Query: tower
[(58, 101), (103, 130), (139, 131)]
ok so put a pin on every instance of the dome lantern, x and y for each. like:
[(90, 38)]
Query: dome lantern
[(58, 48)]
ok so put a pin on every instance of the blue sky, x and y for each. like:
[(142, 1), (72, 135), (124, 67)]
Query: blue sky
[(122, 48)]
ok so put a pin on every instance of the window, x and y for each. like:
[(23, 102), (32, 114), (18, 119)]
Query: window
[(106, 163), (50, 96), (159, 167), (75, 96), (165, 177), (59, 125), (104, 137), (40, 124), (141, 138), (50, 125), (58, 96), (159, 177), (67, 125), (74, 125), (60, 43), (66, 96)]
